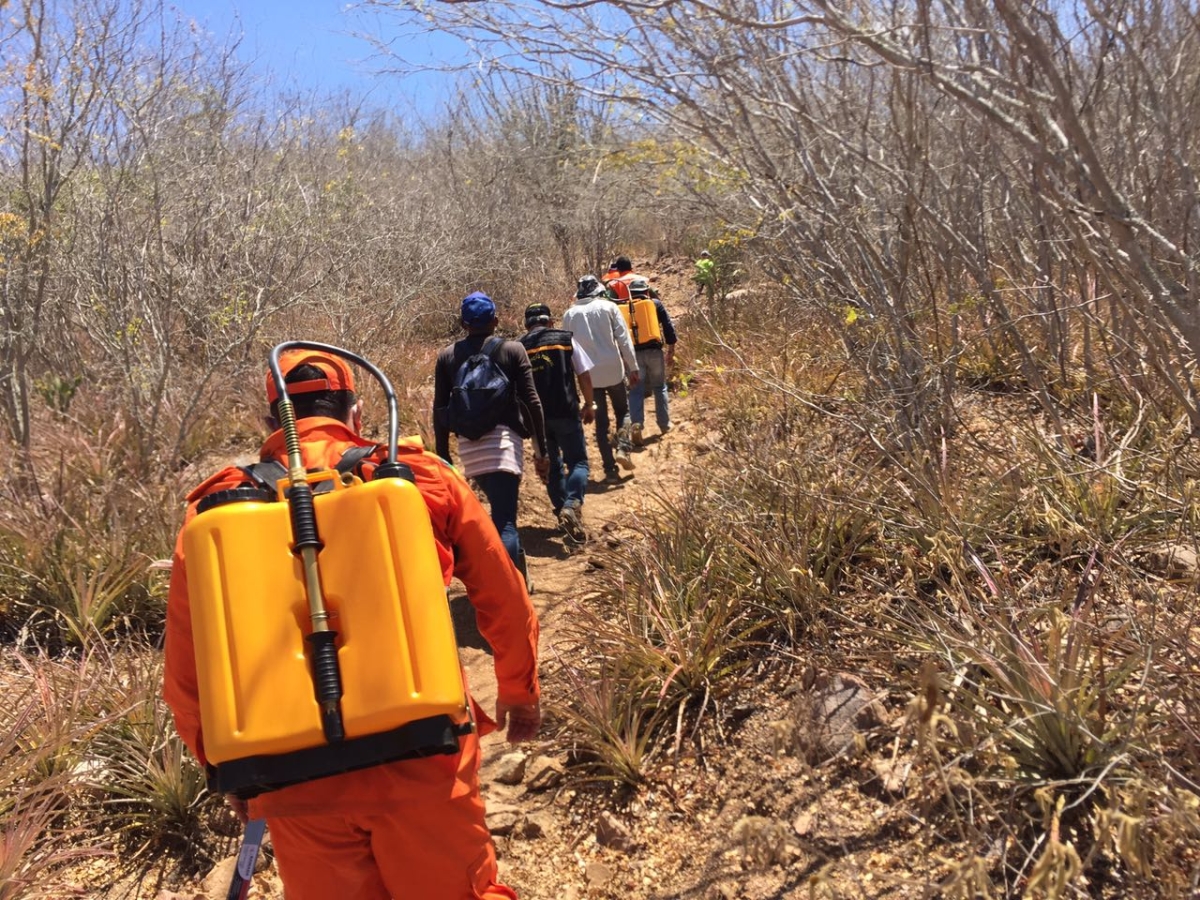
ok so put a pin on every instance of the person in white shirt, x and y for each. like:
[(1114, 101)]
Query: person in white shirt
[(599, 330)]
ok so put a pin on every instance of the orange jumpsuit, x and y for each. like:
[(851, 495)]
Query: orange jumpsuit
[(406, 829)]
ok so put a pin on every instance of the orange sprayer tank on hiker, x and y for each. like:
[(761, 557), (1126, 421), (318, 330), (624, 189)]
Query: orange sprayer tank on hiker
[(386, 602), (641, 318)]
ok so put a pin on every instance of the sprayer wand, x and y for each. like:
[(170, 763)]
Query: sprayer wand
[(326, 674)]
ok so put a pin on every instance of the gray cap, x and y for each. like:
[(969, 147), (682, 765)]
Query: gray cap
[(589, 286)]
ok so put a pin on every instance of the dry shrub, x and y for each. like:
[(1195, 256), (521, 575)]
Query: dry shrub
[(76, 544), (50, 713)]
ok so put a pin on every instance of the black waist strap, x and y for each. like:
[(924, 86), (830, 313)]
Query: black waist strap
[(254, 775)]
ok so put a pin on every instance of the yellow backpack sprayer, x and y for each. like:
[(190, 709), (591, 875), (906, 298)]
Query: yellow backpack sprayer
[(323, 639)]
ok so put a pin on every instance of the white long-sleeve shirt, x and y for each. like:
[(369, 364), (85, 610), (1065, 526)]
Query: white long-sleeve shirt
[(599, 330)]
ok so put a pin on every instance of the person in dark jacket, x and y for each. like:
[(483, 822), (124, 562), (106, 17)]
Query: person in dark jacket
[(557, 363), (496, 460), (654, 357)]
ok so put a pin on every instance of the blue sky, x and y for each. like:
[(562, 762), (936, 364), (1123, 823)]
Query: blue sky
[(311, 45)]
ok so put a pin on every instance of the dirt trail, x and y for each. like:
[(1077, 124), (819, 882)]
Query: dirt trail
[(561, 575)]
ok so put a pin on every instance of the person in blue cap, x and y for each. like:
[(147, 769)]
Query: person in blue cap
[(483, 391)]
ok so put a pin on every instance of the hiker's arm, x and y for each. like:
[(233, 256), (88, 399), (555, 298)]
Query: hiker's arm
[(497, 591), (625, 345), (441, 404), (587, 412), (180, 683), (668, 330), (527, 396)]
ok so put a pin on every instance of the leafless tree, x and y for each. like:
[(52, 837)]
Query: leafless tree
[(934, 177)]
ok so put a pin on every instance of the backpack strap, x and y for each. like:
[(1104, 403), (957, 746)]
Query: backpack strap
[(265, 474), (353, 458), (496, 343), (268, 473)]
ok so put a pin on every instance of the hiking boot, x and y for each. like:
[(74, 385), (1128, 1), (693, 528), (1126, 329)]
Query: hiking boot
[(612, 476), (571, 520), (621, 454), (636, 435)]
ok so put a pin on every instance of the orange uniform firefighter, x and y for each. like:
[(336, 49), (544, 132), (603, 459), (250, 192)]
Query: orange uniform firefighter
[(413, 827)]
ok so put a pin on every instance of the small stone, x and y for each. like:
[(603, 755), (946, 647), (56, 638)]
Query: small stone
[(598, 874), (216, 883), (543, 773), (511, 768), (803, 824), (612, 832), (537, 825), (502, 818)]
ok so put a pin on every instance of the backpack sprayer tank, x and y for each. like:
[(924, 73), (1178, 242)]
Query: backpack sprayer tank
[(641, 318), (352, 573)]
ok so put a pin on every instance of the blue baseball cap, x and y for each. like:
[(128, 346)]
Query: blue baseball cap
[(478, 309)]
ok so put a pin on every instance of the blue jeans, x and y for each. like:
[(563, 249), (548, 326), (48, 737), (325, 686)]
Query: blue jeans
[(620, 402), (654, 376), (501, 490), (567, 447)]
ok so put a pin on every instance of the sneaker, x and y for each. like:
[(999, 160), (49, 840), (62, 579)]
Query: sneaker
[(636, 434), (571, 519), (613, 475)]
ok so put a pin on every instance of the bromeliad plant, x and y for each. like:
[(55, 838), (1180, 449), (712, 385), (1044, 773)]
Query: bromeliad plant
[(611, 721), (155, 791), (49, 714), (1048, 695)]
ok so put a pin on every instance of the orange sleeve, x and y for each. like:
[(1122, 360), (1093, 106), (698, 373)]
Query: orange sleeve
[(179, 670), (495, 588)]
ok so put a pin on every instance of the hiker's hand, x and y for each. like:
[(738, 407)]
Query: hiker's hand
[(670, 360), (587, 414), (541, 465), (634, 377), (523, 720), (240, 808)]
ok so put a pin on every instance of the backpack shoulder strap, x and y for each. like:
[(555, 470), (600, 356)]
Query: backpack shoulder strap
[(353, 458), (494, 343), (265, 474)]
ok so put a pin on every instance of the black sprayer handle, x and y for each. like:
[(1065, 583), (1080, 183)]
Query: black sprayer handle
[(304, 517), (327, 681)]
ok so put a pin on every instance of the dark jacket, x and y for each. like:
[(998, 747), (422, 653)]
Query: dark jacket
[(551, 356), (525, 417)]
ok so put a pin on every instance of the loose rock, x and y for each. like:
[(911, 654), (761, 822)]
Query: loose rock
[(598, 874), (543, 773), (502, 818), (612, 832), (511, 768)]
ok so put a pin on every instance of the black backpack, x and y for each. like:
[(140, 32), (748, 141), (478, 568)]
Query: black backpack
[(550, 352), (482, 396)]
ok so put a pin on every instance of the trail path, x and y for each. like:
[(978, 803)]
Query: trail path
[(562, 576)]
